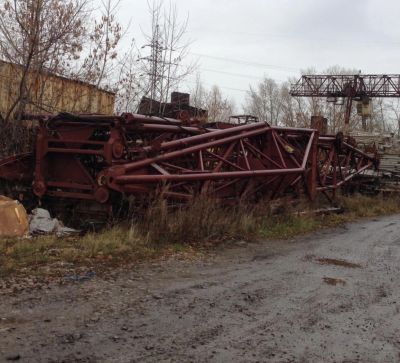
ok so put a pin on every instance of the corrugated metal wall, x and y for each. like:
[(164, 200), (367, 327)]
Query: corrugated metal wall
[(51, 94)]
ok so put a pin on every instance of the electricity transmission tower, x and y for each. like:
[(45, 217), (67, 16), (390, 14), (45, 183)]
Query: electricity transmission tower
[(158, 70)]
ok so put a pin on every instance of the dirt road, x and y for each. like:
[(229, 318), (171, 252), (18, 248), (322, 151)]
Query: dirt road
[(333, 296)]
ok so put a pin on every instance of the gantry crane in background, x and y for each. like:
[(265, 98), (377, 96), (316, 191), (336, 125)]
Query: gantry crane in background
[(348, 88)]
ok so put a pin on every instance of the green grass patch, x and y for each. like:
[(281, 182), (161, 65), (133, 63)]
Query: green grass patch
[(292, 225)]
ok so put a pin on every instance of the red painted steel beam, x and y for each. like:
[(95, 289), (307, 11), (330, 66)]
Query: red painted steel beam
[(172, 128), (134, 118), (207, 136), (127, 179)]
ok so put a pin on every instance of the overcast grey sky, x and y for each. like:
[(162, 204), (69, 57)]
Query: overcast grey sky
[(236, 42)]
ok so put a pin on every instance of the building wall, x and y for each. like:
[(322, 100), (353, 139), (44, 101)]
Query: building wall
[(52, 94)]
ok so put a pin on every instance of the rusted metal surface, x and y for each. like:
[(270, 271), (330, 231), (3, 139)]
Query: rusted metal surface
[(237, 163), (94, 158), (340, 161), (179, 107), (319, 123)]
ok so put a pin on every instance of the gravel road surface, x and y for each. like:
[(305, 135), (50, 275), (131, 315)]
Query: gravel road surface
[(333, 296)]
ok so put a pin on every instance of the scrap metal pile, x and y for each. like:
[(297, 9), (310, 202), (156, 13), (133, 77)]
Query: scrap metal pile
[(93, 161)]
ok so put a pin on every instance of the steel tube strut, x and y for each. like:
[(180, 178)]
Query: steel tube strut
[(207, 136), (126, 179)]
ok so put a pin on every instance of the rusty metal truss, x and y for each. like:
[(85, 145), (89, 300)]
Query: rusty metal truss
[(94, 158)]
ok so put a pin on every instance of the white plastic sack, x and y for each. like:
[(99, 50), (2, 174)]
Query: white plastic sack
[(42, 223)]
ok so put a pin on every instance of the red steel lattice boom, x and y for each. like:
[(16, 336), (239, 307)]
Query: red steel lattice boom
[(95, 158)]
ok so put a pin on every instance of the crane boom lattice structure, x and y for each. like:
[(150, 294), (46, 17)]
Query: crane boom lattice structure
[(90, 162)]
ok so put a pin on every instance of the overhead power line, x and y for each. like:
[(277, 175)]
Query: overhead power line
[(229, 73), (306, 37), (234, 75), (259, 78), (219, 86), (249, 63)]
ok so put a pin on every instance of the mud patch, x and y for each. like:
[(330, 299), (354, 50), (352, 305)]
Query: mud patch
[(205, 336), (205, 285), (12, 320), (334, 281), (336, 262), (342, 307), (309, 258), (390, 224), (264, 257)]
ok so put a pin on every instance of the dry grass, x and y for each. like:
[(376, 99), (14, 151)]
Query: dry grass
[(113, 246), (202, 221), (15, 138), (359, 206), (161, 232)]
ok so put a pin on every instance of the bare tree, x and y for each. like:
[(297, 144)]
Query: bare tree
[(264, 101), (391, 115), (39, 37), (198, 94), (219, 107), (131, 84), (102, 61), (289, 110)]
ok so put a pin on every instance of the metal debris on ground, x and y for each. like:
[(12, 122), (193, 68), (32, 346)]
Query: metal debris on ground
[(388, 146)]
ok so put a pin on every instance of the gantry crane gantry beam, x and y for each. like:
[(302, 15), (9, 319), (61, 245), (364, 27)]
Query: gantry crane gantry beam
[(360, 87), (355, 86)]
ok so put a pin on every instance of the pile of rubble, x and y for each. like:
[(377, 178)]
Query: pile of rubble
[(388, 145)]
